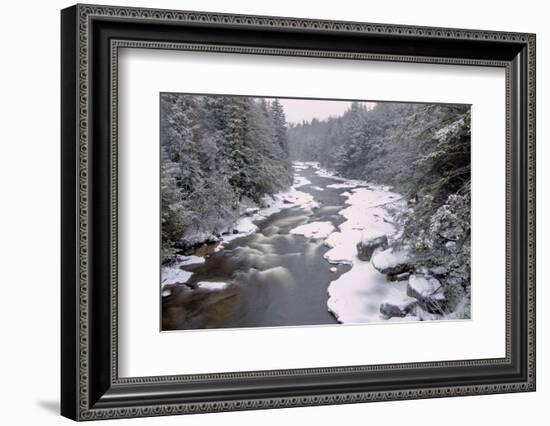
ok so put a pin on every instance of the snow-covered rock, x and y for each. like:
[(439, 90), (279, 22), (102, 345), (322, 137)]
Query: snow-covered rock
[(174, 275), (398, 308), (429, 292), (314, 230), (421, 287), (392, 262), (366, 247)]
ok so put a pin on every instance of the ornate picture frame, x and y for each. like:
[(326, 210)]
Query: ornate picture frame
[(91, 37)]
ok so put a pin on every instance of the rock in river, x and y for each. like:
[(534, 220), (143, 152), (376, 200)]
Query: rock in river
[(366, 248)]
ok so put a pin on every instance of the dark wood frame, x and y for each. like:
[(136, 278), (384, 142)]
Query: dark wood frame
[(91, 37)]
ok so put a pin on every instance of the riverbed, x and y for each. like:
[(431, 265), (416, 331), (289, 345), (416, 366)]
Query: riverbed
[(294, 265)]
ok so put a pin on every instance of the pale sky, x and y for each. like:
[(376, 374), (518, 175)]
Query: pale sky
[(298, 110)]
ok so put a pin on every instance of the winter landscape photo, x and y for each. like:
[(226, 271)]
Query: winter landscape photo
[(290, 212)]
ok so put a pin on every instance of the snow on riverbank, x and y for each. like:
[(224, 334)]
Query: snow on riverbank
[(272, 204), (366, 218), (319, 171), (173, 274), (189, 260), (356, 296), (246, 225), (300, 181)]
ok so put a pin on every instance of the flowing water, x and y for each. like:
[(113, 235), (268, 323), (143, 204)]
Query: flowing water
[(274, 278)]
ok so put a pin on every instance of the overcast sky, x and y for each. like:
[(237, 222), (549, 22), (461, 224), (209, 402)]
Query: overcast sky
[(298, 110)]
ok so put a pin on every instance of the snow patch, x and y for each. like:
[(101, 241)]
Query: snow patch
[(189, 260), (300, 181), (174, 275), (356, 296), (242, 228), (300, 165), (326, 174), (245, 226), (285, 200), (317, 188), (314, 230), (212, 285), (347, 184)]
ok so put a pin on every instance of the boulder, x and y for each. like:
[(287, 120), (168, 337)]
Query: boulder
[(399, 308), (392, 262), (429, 292), (439, 272), (366, 248)]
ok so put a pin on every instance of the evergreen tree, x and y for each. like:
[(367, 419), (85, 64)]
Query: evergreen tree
[(280, 135)]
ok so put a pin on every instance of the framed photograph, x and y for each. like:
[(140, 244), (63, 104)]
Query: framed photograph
[(263, 212)]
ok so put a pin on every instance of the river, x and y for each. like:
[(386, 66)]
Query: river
[(275, 277)]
